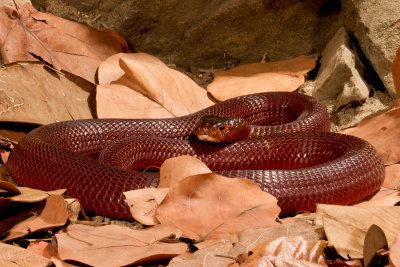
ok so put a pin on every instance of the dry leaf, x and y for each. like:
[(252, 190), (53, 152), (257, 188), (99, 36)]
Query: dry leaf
[(209, 256), (383, 130), (54, 214), (74, 207), (43, 248), (4, 155), (384, 197), (119, 101), (9, 187), (392, 176), (211, 206), (114, 245), (175, 169), (252, 237), (15, 256), (53, 98), (159, 90), (288, 251), (285, 75), (143, 203), (30, 195), (27, 34), (394, 252), (345, 227)]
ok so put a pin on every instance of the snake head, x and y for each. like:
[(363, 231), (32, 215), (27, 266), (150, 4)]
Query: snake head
[(218, 129)]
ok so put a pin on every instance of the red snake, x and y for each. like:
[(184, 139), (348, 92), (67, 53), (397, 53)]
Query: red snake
[(299, 167)]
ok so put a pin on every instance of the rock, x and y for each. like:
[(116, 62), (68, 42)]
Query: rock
[(375, 24), (212, 34), (341, 86), (338, 79)]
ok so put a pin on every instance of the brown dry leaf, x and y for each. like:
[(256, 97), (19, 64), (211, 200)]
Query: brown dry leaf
[(119, 101), (27, 34), (175, 169), (209, 256), (53, 98), (383, 130), (394, 252), (252, 237), (211, 206), (384, 197), (54, 214), (4, 155), (288, 251), (114, 245), (43, 248), (74, 207), (13, 256), (156, 87), (30, 195), (392, 176), (12, 135), (285, 75), (143, 203), (346, 227), (9, 187)]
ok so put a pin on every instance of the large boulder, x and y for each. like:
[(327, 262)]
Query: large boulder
[(212, 33), (376, 26)]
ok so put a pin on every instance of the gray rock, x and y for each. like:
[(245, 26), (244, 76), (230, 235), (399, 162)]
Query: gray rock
[(341, 86), (338, 78), (376, 26), (210, 34)]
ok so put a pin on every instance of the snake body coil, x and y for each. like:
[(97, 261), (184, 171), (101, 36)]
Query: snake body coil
[(299, 167)]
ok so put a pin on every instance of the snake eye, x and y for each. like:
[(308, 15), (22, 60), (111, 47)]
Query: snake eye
[(221, 127)]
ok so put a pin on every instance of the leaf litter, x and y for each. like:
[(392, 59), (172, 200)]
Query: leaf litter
[(141, 84)]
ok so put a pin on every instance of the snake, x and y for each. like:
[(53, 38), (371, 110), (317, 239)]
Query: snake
[(289, 152)]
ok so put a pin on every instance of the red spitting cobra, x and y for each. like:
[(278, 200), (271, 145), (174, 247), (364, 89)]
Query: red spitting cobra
[(291, 155)]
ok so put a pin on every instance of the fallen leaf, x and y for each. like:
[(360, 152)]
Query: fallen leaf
[(15, 256), (346, 227), (9, 187), (374, 241), (211, 206), (175, 169), (384, 197), (27, 34), (392, 176), (158, 89), (252, 237), (43, 248), (74, 207), (383, 130), (16, 226), (119, 101), (30, 195), (114, 245), (288, 251), (60, 263), (394, 252), (143, 203), (285, 75), (209, 256), (13, 135), (4, 155), (54, 98), (54, 214)]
